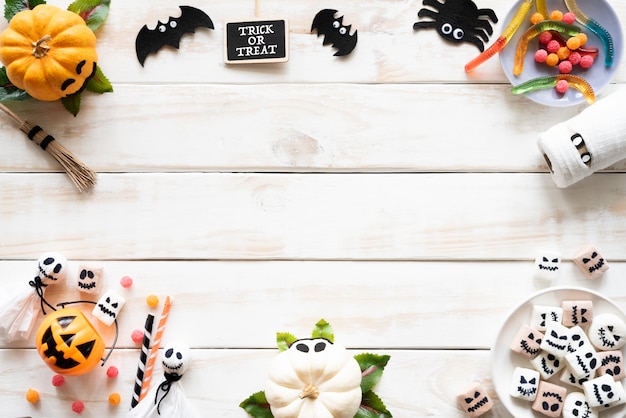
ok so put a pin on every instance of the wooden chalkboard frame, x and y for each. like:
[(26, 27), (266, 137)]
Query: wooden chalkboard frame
[(254, 40)]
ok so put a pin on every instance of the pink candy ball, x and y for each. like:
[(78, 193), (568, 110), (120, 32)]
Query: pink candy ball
[(553, 46), (586, 61), (569, 18), (562, 86), (112, 372), (574, 58), (137, 336), (78, 407), (545, 37), (541, 55), (58, 380), (126, 282), (565, 67)]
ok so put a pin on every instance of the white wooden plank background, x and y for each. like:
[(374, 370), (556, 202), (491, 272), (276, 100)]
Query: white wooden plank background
[(388, 192)]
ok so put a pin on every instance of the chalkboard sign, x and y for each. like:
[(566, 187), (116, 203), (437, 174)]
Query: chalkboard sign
[(256, 41)]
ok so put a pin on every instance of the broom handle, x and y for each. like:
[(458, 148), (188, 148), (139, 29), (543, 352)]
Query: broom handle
[(34, 132)]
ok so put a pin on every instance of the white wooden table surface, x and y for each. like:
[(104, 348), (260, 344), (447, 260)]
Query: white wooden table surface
[(387, 192)]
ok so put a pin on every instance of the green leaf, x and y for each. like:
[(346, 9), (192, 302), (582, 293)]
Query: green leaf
[(372, 407), (98, 83), (94, 12), (72, 103), (7, 90), (257, 406), (323, 330), (284, 340), (12, 7), (372, 367)]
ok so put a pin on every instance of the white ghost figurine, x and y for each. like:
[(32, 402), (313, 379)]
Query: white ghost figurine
[(108, 307), (19, 311), (167, 399)]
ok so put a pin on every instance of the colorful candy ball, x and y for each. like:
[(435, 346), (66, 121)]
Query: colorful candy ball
[(78, 406), (562, 86), (553, 46), (541, 55), (137, 336), (552, 60), (565, 67), (536, 18), (112, 372), (545, 37), (32, 395), (586, 61), (126, 282), (574, 57), (152, 301), (115, 398), (569, 18), (58, 380)]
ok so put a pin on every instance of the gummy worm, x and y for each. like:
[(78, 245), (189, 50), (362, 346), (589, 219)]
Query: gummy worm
[(550, 81), (542, 8), (595, 27), (534, 31), (504, 38)]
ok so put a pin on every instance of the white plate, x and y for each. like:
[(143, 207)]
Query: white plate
[(598, 75), (504, 360)]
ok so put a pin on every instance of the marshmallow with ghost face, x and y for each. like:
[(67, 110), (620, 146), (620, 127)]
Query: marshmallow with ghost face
[(591, 262), (542, 315), (51, 268), (524, 384), (577, 312), (550, 399), (612, 363), (556, 339), (583, 362), (108, 307), (547, 364), (576, 406), (568, 377), (527, 341), (89, 279), (603, 392), (607, 332), (577, 339), (547, 265), (475, 401)]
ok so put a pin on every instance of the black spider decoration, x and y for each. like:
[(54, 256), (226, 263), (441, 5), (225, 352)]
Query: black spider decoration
[(458, 21)]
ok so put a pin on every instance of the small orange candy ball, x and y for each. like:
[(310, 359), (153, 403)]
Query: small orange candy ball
[(573, 43), (536, 18), (115, 398), (552, 60), (582, 37), (32, 395), (152, 301), (563, 53), (556, 15)]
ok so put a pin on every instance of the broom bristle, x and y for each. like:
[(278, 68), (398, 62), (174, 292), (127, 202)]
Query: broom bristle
[(82, 176)]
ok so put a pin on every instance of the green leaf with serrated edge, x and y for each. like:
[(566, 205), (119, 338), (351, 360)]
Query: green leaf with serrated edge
[(11, 7), (93, 12), (7, 90), (372, 367), (323, 330), (257, 406), (372, 407), (72, 103), (98, 83), (284, 340)]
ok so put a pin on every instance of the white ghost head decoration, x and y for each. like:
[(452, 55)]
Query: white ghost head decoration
[(176, 358), (108, 307), (51, 268), (607, 332), (576, 405), (89, 279)]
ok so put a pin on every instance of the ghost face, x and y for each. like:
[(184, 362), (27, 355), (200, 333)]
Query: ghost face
[(176, 358), (583, 362), (577, 312), (577, 339), (576, 405), (607, 332), (591, 263), (604, 392), (51, 268), (550, 399), (108, 307), (89, 279), (612, 364), (527, 341), (542, 315), (556, 339), (547, 265), (547, 364), (524, 384), (475, 401)]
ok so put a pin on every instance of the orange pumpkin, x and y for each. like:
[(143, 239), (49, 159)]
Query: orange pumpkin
[(68, 343), (48, 52)]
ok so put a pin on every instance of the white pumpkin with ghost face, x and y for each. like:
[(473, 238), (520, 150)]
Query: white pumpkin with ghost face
[(314, 378)]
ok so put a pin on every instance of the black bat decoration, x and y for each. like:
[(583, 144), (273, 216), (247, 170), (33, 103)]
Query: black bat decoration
[(334, 31), (169, 33)]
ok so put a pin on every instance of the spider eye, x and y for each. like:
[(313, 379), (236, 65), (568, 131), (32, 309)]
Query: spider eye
[(458, 34), (446, 29)]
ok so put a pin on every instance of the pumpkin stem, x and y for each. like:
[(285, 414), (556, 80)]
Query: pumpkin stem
[(41, 48), (310, 391)]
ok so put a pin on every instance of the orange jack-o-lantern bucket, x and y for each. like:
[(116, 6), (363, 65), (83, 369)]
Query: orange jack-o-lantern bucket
[(68, 342)]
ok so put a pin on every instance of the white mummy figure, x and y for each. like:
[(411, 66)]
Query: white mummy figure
[(167, 398), (19, 311), (590, 141)]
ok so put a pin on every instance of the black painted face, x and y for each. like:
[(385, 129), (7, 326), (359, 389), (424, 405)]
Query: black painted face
[(51, 268), (176, 358), (476, 403)]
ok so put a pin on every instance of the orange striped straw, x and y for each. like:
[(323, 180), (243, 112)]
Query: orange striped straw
[(155, 348)]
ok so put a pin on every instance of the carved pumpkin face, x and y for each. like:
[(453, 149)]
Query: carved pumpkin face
[(68, 343)]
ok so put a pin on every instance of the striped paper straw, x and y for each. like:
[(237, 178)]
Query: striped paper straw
[(155, 348), (143, 357)]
